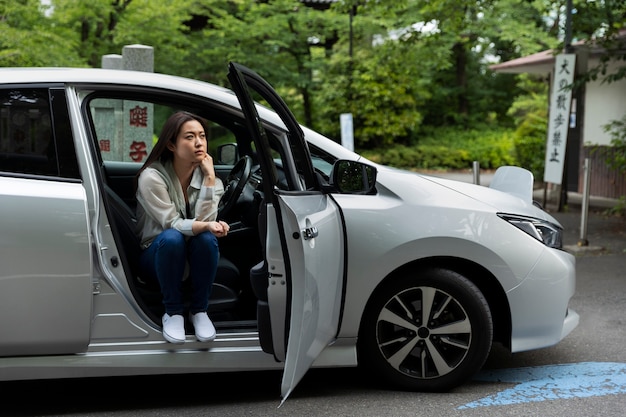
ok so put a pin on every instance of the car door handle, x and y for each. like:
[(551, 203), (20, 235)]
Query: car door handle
[(310, 233)]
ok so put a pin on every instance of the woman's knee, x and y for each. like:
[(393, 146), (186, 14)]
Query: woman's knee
[(170, 239), (207, 240)]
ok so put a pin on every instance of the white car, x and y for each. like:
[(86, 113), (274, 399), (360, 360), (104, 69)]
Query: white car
[(331, 261)]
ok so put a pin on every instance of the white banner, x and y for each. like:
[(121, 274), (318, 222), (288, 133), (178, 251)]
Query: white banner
[(347, 133), (559, 117)]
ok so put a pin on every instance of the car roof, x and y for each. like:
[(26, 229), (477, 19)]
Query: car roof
[(13, 75), (72, 74)]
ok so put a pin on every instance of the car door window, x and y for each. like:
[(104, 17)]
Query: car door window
[(125, 126), (322, 161), (28, 143), (126, 129)]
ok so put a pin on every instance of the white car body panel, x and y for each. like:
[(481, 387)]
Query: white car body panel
[(48, 252), (470, 229)]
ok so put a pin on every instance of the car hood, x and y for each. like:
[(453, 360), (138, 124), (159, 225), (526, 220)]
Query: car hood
[(421, 189)]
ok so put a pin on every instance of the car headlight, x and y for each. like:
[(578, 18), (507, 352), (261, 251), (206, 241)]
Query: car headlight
[(548, 233)]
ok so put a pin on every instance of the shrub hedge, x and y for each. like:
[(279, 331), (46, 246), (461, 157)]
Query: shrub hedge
[(449, 149)]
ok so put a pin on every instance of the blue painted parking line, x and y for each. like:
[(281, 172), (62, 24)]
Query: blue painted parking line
[(553, 382)]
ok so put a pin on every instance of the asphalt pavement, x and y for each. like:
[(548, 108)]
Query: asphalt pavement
[(581, 376), (599, 232)]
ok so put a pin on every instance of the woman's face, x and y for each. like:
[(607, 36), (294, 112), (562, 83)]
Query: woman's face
[(191, 143)]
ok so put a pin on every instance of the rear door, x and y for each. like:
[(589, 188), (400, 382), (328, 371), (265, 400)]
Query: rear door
[(305, 243), (45, 243)]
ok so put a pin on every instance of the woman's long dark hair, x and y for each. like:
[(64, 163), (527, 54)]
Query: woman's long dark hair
[(169, 133)]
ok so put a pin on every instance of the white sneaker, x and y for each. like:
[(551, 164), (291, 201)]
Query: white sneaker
[(174, 328), (205, 331)]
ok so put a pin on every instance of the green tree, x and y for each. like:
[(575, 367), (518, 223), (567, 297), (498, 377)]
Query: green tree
[(103, 27), (283, 40), (383, 87), (381, 74), (92, 25), (603, 24), (401, 68), (530, 113), (29, 38), (472, 33), (442, 49)]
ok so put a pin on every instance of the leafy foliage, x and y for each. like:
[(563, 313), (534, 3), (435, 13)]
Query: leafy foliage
[(403, 68), (530, 114), (381, 93), (29, 39), (449, 148), (101, 27), (617, 158), (619, 209)]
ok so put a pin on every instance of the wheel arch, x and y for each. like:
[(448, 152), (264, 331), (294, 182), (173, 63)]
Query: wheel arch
[(486, 282)]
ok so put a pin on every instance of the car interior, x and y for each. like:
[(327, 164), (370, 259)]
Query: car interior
[(233, 303)]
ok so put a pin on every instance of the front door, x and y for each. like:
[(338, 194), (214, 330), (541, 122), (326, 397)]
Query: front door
[(315, 249), (305, 245)]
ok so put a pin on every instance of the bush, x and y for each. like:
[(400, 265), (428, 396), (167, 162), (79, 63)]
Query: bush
[(448, 148), (530, 143), (531, 118), (617, 130)]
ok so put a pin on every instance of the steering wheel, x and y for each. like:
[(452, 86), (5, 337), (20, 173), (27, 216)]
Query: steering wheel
[(235, 182)]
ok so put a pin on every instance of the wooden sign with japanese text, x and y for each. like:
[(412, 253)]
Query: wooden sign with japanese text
[(559, 115)]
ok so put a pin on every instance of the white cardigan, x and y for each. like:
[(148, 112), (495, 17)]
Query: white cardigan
[(161, 203)]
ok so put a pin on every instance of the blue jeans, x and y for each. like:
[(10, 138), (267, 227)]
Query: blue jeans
[(166, 260)]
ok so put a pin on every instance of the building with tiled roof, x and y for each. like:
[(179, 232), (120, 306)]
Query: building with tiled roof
[(598, 104)]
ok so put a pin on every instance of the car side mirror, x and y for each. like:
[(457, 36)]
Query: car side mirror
[(227, 154), (351, 177)]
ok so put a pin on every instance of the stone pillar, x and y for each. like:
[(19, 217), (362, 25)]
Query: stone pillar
[(138, 58), (125, 127), (107, 117), (112, 61), (138, 116)]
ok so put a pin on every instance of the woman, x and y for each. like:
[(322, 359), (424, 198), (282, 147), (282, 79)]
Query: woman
[(177, 196)]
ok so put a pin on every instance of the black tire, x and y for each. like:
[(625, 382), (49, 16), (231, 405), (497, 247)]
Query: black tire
[(398, 346)]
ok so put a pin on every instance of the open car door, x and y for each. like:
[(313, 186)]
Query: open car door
[(305, 243)]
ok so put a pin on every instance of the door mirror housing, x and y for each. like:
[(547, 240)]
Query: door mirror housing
[(352, 177)]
